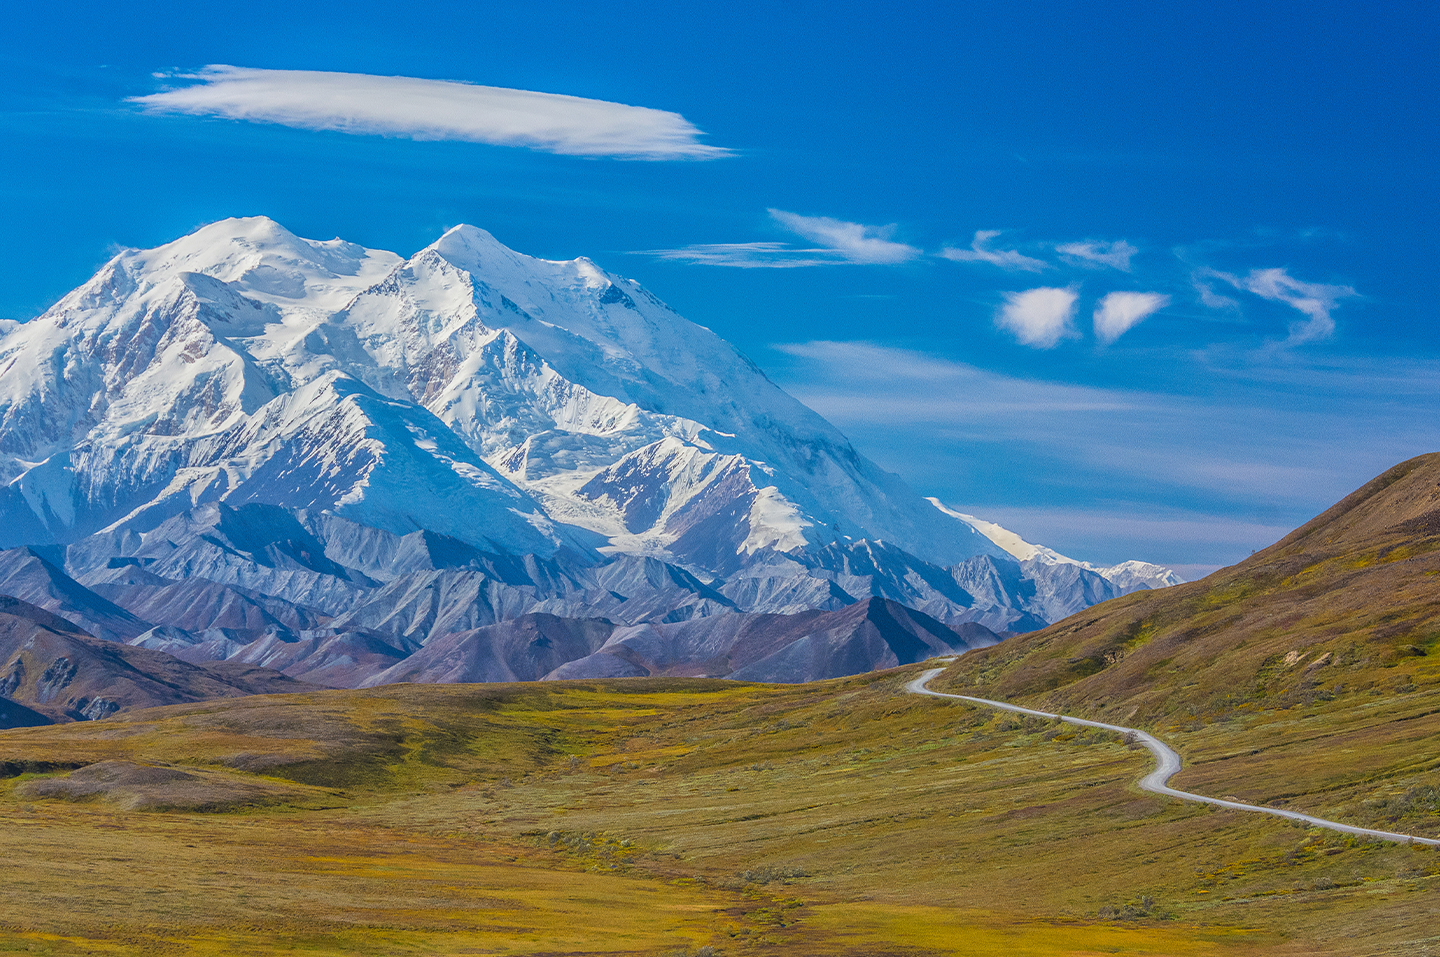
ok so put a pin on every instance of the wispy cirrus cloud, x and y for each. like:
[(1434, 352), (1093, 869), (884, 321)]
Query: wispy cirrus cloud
[(1209, 298), (1119, 312), (434, 110), (1243, 446), (840, 243), (1315, 300), (980, 252), (879, 381), (852, 241), (747, 255), (1115, 255), (1039, 317)]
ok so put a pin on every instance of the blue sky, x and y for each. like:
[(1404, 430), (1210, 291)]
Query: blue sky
[(1137, 280)]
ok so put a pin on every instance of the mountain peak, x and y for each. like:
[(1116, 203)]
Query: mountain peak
[(464, 232), (473, 249), (255, 229), (222, 238), (265, 261)]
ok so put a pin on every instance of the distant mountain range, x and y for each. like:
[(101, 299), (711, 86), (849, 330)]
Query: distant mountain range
[(248, 447)]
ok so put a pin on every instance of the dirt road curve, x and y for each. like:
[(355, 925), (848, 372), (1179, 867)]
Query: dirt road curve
[(1167, 763)]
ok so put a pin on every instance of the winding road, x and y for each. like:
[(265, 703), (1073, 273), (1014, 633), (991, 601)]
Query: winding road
[(1167, 763)]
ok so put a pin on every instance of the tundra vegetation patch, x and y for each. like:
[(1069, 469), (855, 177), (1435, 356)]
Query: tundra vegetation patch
[(685, 816)]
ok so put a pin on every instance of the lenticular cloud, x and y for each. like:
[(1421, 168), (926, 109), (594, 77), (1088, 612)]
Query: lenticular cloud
[(435, 110)]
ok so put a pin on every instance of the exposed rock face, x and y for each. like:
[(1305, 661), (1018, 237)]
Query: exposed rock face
[(24, 574), (522, 649), (807, 646), (753, 647)]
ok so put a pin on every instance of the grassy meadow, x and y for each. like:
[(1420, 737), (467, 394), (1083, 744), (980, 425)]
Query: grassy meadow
[(672, 816)]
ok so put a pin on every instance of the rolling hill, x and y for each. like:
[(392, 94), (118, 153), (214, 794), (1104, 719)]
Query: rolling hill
[(1345, 608), (670, 815)]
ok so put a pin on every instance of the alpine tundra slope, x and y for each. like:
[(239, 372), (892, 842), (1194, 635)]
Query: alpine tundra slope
[(1167, 765)]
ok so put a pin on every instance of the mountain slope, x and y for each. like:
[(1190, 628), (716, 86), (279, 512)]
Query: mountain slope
[(789, 649), (24, 574), (50, 666), (1126, 576), (1346, 605), (14, 715)]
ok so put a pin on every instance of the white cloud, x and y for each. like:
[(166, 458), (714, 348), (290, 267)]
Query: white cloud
[(745, 255), (1038, 317), (1119, 312), (435, 110), (1315, 300), (843, 243), (1004, 258), (1116, 255), (853, 242), (1211, 299)]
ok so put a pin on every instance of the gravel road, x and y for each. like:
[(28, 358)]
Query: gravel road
[(1167, 763)]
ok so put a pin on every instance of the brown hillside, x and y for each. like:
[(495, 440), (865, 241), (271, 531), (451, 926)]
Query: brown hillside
[(1347, 604), (50, 666)]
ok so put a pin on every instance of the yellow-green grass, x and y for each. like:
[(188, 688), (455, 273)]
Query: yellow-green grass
[(654, 817), (183, 884)]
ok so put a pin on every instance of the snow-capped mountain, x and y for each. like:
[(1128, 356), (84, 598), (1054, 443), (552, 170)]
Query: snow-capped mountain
[(1126, 576), (262, 450), (507, 401)]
